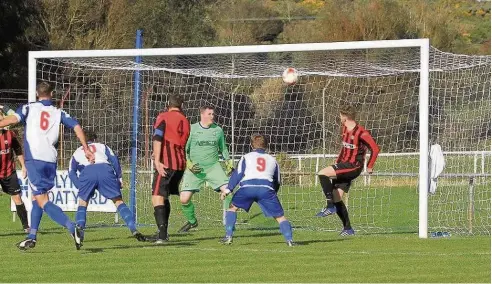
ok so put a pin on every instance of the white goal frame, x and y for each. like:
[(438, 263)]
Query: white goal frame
[(423, 44)]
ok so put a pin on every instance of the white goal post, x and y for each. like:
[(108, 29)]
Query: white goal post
[(129, 65)]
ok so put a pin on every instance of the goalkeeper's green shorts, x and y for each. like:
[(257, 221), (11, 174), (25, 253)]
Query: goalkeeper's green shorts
[(214, 176)]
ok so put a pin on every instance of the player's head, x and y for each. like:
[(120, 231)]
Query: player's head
[(347, 112), (175, 101), (258, 141), (207, 115), (44, 90), (90, 135)]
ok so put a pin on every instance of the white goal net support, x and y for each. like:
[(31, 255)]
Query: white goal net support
[(408, 95)]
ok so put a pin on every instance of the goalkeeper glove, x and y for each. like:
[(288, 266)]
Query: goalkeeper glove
[(229, 167), (194, 168), (224, 193), (7, 110)]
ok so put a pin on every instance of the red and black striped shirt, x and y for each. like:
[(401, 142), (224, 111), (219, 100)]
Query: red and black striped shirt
[(172, 128), (9, 144), (355, 144)]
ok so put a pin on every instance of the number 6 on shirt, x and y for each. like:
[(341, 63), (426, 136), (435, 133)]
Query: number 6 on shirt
[(44, 122)]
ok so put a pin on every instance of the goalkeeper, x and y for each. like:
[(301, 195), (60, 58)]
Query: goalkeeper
[(205, 143)]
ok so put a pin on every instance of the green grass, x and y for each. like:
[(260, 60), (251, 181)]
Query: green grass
[(110, 255)]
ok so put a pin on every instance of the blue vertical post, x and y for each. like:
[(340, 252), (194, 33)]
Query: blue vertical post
[(134, 141)]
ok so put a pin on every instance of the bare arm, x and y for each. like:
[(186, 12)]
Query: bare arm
[(23, 165), (156, 148), (8, 120), (159, 131), (81, 136), (373, 147), (16, 146), (22, 161), (223, 146)]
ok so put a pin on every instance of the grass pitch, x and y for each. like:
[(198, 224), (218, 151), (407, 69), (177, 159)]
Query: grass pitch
[(110, 255)]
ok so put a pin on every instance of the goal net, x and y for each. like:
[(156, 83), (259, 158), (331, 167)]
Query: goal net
[(302, 125)]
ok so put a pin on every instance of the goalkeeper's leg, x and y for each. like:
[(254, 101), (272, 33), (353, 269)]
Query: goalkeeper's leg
[(188, 211), (218, 180), (191, 184)]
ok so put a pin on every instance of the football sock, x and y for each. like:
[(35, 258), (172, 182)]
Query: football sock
[(36, 214), (189, 212), (167, 213), (327, 186), (81, 216), (57, 215), (22, 213), (342, 212), (159, 212), (127, 216), (230, 222), (286, 230)]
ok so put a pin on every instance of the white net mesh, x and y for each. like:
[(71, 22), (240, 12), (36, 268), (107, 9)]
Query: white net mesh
[(302, 124)]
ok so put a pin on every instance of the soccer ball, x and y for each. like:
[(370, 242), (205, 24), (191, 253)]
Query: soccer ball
[(290, 76)]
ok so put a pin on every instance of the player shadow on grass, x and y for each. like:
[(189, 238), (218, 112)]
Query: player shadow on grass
[(300, 243), (101, 239), (11, 234), (146, 245), (402, 232), (239, 235), (307, 242)]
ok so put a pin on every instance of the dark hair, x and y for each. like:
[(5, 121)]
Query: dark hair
[(175, 101), (44, 89), (204, 108), (349, 111), (90, 135), (258, 141)]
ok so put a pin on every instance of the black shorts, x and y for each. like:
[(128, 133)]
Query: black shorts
[(168, 185), (346, 172), (10, 184)]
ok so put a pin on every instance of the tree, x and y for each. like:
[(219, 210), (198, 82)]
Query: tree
[(15, 41), (242, 22)]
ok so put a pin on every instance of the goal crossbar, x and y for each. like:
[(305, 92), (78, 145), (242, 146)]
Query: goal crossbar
[(231, 49)]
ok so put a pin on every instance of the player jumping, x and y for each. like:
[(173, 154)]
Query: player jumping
[(336, 179)]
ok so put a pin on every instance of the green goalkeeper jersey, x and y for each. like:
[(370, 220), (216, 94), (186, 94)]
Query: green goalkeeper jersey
[(205, 144)]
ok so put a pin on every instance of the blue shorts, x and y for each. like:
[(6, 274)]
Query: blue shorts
[(100, 177), (266, 198), (41, 176)]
